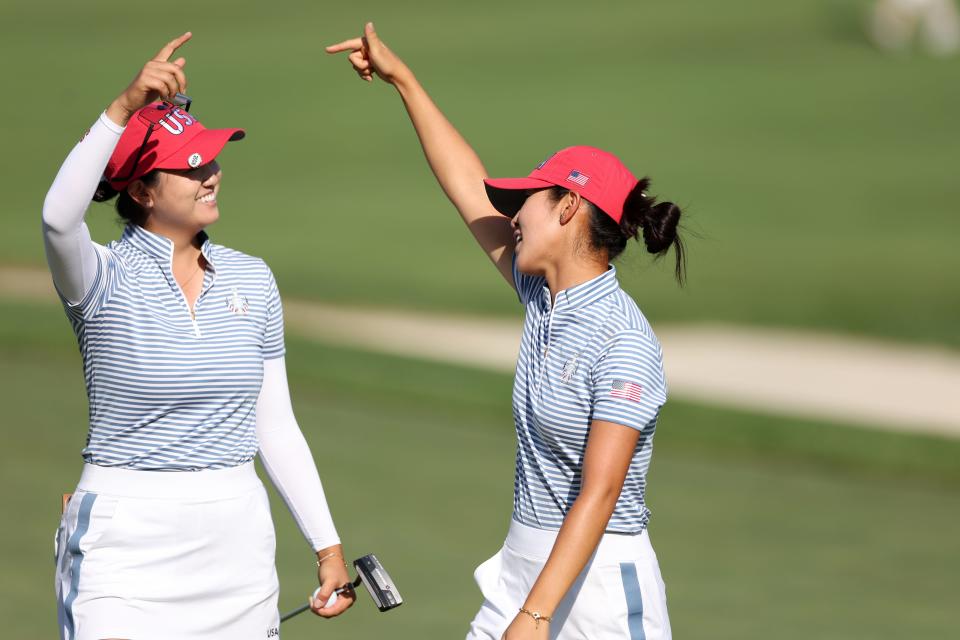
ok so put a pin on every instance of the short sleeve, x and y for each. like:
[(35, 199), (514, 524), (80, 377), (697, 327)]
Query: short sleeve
[(628, 382), (273, 346), (527, 286), (109, 271)]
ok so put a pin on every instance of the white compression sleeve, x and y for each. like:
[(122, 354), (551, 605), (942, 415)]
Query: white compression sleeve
[(70, 252), (287, 458)]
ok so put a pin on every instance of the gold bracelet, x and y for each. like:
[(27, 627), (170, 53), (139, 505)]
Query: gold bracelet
[(537, 616), (330, 555)]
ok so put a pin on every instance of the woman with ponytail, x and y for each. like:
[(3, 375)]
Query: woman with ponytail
[(168, 534), (577, 560)]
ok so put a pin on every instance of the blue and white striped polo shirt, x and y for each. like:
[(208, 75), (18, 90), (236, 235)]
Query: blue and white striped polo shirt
[(589, 356), (169, 391)]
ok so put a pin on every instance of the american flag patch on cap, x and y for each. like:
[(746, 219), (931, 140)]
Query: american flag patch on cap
[(578, 178), (626, 390)]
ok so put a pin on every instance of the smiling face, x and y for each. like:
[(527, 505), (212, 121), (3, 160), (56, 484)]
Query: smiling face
[(542, 241), (181, 201)]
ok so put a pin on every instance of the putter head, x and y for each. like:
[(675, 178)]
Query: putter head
[(378, 583)]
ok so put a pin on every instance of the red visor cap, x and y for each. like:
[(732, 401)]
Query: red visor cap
[(596, 175), (179, 141)]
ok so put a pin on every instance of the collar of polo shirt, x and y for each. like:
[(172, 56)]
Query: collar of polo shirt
[(160, 248), (586, 292)]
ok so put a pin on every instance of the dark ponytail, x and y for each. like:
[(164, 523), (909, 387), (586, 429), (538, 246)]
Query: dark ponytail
[(658, 222), (642, 214), (127, 208)]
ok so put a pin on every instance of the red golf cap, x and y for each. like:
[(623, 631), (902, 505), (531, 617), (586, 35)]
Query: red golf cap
[(178, 141), (596, 175)]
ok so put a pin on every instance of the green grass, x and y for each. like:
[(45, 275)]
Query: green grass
[(765, 528), (819, 173)]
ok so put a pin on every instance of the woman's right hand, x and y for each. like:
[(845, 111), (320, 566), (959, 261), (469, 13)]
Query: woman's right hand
[(159, 78), (451, 158), (369, 55)]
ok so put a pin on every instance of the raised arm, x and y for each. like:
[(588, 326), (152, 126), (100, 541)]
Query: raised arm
[(71, 254), (453, 161)]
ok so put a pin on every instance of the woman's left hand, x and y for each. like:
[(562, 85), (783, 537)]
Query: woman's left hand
[(332, 575), (524, 627)]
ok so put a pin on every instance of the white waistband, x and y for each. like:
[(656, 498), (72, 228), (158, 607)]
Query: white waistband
[(175, 485), (537, 543)]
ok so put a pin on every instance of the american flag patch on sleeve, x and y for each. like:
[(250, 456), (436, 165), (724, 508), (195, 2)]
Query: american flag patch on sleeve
[(578, 178), (626, 390)]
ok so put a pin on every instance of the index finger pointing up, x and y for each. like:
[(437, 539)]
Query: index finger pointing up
[(168, 49)]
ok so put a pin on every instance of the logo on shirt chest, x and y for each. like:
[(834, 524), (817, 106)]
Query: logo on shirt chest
[(237, 303), (569, 369)]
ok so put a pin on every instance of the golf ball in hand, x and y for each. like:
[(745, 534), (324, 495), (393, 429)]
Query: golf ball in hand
[(330, 601)]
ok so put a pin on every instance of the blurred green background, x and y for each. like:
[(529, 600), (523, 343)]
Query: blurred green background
[(818, 180)]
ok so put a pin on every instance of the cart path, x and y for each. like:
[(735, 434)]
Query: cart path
[(810, 375)]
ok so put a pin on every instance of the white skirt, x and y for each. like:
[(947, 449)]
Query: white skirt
[(162, 555), (620, 593)]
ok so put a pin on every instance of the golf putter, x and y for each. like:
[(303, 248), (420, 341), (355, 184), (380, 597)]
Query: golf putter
[(374, 577)]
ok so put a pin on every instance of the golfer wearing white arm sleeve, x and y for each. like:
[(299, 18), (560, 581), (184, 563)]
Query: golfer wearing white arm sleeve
[(169, 533)]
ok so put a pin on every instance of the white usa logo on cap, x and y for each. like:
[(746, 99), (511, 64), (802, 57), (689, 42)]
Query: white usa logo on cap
[(195, 160)]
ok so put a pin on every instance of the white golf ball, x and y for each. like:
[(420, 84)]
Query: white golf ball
[(330, 601)]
